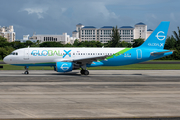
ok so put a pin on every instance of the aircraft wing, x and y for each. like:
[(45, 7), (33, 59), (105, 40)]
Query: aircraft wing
[(158, 53), (82, 61), (90, 59)]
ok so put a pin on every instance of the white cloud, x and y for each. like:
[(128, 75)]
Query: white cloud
[(153, 16), (37, 11), (62, 16), (172, 16)]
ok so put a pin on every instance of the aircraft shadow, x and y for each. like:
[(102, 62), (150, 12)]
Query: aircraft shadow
[(68, 73)]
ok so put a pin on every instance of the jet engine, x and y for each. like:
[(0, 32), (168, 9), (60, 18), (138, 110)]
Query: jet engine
[(64, 66)]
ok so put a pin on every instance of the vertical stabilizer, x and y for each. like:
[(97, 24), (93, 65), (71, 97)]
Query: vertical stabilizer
[(158, 38)]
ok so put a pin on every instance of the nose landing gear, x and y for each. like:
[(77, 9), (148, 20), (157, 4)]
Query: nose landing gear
[(26, 68)]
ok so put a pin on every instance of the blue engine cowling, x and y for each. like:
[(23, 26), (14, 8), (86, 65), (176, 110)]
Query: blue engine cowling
[(64, 66)]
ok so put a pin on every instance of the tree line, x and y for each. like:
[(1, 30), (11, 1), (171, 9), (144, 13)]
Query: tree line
[(172, 43)]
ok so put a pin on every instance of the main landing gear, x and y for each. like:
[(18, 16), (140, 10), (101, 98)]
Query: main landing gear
[(84, 71), (26, 68)]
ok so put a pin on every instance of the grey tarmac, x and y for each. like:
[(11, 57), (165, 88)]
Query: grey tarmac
[(102, 94)]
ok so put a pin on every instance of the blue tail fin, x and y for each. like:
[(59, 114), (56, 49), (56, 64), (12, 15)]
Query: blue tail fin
[(158, 38)]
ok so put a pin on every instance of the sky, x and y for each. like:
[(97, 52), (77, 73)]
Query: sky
[(60, 16)]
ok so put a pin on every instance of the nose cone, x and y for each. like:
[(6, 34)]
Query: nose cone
[(5, 59)]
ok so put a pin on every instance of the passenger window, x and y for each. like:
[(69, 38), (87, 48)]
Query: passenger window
[(13, 53), (16, 53), (73, 53), (83, 53), (88, 53), (93, 53)]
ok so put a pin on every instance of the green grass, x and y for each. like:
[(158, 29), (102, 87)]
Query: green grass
[(127, 67), (12, 67), (164, 61), (141, 67)]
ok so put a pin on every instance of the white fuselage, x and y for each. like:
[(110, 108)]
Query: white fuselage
[(45, 55)]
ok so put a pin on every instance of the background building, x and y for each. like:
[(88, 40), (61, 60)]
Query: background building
[(91, 33), (104, 33), (8, 33), (140, 31), (64, 38), (149, 31), (127, 33), (26, 38)]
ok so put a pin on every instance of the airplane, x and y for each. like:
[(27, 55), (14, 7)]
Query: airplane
[(67, 59)]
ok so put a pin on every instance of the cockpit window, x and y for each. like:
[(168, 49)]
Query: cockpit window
[(14, 53)]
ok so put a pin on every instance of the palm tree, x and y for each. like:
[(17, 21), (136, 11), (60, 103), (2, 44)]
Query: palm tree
[(115, 38), (177, 36)]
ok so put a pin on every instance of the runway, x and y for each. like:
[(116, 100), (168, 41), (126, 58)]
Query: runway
[(103, 94)]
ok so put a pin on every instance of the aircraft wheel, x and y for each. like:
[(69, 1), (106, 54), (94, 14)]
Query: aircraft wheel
[(86, 72), (26, 72), (82, 72)]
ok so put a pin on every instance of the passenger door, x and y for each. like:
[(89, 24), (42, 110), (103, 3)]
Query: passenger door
[(26, 54)]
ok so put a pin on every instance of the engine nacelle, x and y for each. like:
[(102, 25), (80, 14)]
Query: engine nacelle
[(64, 66)]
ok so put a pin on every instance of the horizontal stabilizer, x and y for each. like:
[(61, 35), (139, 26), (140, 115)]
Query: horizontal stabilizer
[(159, 53)]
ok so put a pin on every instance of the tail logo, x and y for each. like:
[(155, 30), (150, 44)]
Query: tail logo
[(161, 36)]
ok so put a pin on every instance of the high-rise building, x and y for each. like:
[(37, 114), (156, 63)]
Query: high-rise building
[(8, 33)]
